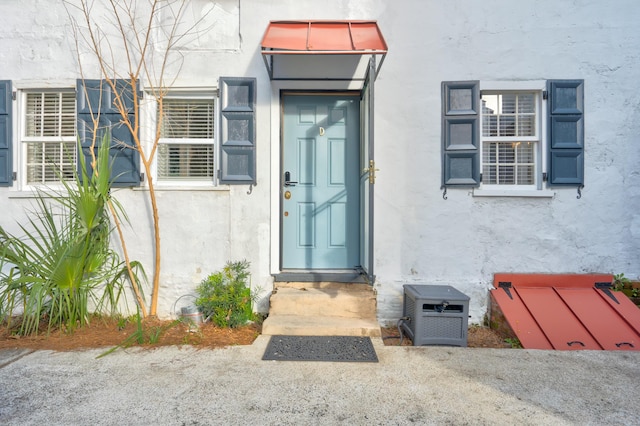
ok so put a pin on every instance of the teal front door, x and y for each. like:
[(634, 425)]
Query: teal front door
[(320, 182)]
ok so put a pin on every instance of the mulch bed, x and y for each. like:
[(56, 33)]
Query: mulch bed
[(108, 332), (477, 337)]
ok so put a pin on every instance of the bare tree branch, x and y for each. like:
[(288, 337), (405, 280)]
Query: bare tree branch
[(94, 133), (138, 49)]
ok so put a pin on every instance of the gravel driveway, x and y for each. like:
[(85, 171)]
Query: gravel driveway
[(409, 385)]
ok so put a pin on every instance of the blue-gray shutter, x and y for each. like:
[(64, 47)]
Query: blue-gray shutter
[(238, 130), (565, 132), (460, 134), (99, 101), (6, 163)]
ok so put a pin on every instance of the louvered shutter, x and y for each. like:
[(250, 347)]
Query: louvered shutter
[(238, 130), (460, 134), (566, 132), (96, 98), (6, 163)]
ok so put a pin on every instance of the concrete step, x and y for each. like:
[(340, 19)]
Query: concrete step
[(297, 325), (322, 309), (326, 301), (324, 284)]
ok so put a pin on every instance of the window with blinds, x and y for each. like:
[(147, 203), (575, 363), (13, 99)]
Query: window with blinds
[(50, 136), (186, 148), (510, 138)]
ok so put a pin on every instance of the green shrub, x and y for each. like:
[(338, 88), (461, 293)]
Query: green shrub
[(225, 296)]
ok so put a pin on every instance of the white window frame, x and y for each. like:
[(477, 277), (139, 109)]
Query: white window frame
[(22, 140), (151, 107), (537, 189)]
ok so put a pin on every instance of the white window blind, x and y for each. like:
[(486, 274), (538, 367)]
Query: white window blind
[(509, 138), (186, 149), (509, 115), (508, 163), (49, 135)]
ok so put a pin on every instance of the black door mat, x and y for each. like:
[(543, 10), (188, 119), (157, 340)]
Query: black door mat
[(320, 348)]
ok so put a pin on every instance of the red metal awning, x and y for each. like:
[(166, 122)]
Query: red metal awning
[(322, 38)]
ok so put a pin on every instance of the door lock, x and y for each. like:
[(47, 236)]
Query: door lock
[(372, 171), (287, 179)]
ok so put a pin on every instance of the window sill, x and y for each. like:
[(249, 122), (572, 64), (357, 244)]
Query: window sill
[(52, 192), (22, 194), (524, 193), (184, 188), (32, 193)]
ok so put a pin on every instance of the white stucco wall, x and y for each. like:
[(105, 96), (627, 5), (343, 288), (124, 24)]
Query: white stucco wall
[(464, 240), (420, 237)]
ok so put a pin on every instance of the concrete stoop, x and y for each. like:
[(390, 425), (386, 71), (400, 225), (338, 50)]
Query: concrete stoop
[(322, 309)]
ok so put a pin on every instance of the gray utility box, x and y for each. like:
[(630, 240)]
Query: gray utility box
[(438, 315)]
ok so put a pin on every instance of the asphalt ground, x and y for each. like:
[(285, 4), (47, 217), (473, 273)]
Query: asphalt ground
[(233, 386)]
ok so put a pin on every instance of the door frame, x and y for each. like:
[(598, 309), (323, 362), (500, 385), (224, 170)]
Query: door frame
[(277, 89)]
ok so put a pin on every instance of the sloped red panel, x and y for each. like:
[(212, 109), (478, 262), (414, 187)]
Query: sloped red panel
[(520, 320), (602, 320), (292, 36), (568, 310), (625, 308), (556, 320), (329, 36), (367, 36)]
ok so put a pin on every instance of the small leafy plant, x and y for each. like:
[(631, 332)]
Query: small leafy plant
[(144, 334), (513, 342), (122, 322), (624, 284), (225, 297), (620, 282)]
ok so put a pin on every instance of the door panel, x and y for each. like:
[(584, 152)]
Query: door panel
[(305, 221), (320, 207)]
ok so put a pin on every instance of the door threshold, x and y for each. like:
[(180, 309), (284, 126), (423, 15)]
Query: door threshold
[(347, 276)]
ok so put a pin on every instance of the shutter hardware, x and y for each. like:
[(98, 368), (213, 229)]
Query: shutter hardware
[(444, 192), (141, 177), (14, 176), (545, 95), (606, 289), (506, 286), (14, 95)]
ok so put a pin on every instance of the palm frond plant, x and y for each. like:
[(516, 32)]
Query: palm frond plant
[(62, 269)]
